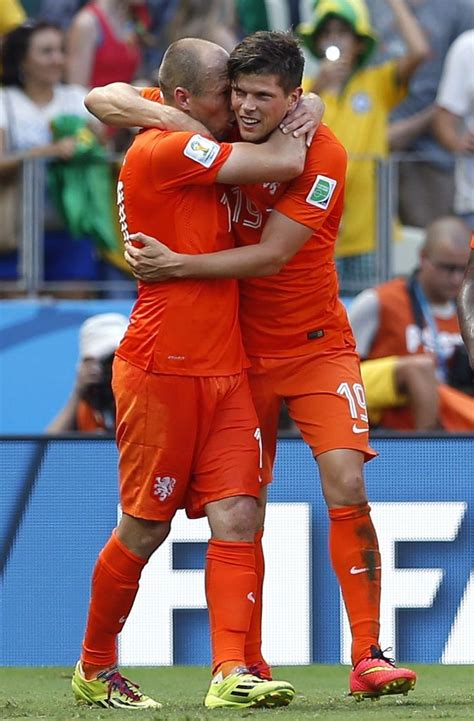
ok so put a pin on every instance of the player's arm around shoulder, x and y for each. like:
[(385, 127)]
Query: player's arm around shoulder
[(125, 106), (281, 157)]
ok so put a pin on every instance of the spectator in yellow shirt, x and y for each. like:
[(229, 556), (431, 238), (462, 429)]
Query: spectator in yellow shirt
[(358, 103)]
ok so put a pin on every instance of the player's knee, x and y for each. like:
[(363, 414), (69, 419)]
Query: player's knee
[(261, 509), (233, 519), (141, 536), (347, 489), (152, 537), (352, 488), (342, 477)]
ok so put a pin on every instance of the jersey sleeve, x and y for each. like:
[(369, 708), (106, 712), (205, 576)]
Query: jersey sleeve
[(183, 158), (311, 197), (151, 94)]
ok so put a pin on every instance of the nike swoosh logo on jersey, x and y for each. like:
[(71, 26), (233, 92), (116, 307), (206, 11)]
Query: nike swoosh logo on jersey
[(356, 429), (354, 570)]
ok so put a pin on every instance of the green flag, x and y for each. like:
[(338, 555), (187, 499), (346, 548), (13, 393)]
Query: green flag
[(82, 188)]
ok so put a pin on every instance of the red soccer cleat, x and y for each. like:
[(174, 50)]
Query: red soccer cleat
[(378, 676)]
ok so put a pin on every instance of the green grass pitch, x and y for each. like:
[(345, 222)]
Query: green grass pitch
[(442, 692)]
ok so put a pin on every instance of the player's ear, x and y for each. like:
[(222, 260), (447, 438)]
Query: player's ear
[(182, 97), (293, 98)]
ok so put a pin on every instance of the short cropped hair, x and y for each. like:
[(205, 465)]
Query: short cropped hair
[(185, 64), (268, 53)]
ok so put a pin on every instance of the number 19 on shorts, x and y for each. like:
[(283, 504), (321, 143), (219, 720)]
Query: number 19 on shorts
[(355, 396)]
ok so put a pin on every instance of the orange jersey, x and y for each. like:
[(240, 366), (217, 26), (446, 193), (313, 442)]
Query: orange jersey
[(167, 190), (398, 332), (296, 312), (151, 94)]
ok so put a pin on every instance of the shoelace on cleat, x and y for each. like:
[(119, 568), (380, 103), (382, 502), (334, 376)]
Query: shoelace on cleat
[(376, 652), (243, 671), (116, 682), (255, 670)]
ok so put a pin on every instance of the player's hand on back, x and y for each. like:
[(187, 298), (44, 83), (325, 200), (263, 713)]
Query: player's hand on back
[(305, 118), (153, 261)]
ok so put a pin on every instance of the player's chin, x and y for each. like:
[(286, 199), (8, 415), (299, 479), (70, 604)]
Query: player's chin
[(251, 135)]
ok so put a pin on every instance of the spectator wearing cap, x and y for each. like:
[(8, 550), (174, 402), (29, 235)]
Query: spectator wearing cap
[(91, 408), (358, 102)]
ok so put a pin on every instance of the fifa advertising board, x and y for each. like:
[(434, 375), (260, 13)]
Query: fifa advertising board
[(58, 504)]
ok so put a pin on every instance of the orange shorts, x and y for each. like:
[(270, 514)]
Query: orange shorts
[(183, 441), (325, 398)]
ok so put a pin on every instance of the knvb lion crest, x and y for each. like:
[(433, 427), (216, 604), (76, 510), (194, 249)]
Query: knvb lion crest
[(163, 487)]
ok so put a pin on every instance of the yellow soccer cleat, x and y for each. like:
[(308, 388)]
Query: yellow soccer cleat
[(242, 689), (109, 690)]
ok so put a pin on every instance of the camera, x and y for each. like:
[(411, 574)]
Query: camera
[(99, 395)]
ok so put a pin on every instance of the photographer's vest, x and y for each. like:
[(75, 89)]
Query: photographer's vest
[(400, 334), (88, 420)]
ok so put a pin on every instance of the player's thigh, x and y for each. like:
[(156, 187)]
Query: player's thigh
[(228, 457), (263, 379), (327, 402), (157, 418)]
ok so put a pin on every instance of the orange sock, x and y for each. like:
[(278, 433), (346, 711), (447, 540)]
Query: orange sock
[(355, 558), (253, 640), (230, 590), (114, 587)]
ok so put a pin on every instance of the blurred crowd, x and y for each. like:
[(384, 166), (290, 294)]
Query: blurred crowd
[(377, 64), (395, 75)]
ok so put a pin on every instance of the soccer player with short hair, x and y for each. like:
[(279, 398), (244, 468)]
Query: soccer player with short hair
[(298, 338), (187, 430)]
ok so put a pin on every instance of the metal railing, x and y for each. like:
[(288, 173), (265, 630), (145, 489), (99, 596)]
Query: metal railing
[(31, 281)]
